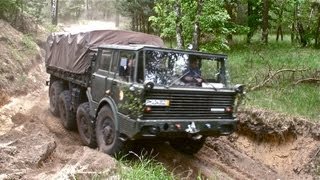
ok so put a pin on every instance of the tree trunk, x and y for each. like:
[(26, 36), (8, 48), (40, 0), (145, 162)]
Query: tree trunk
[(196, 29), (302, 34), (316, 37), (87, 9), (301, 30), (132, 22), (265, 21), (117, 18), (279, 33), (180, 41), (250, 23), (230, 7), (54, 11)]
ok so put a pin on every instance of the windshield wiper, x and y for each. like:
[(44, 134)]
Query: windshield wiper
[(178, 79), (214, 88)]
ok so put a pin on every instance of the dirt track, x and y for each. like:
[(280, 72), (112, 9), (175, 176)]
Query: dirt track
[(33, 144)]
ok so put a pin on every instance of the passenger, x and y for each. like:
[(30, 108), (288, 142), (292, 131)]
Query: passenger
[(192, 73)]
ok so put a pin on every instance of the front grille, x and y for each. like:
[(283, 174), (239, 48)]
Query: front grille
[(190, 104)]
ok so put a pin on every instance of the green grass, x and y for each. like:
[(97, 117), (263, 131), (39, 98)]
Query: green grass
[(250, 64), (145, 168), (29, 43)]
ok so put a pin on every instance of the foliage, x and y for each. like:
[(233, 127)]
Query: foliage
[(28, 42), (145, 168), (71, 9), (8, 9), (139, 11), (35, 9), (131, 102), (164, 22), (212, 20)]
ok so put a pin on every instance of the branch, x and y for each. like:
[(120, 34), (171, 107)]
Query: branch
[(271, 75), (307, 80)]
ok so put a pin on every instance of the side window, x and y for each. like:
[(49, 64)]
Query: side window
[(127, 63), (105, 60)]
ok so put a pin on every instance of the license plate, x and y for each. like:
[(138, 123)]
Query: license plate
[(157, 102)]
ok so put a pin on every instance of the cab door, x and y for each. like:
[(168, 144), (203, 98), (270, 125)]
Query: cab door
[(100, 77)]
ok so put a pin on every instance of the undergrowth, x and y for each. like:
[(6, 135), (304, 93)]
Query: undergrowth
[(251, 64), (145, 167)]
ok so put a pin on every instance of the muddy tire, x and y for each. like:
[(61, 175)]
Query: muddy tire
[(54, 91), (67, 116), (187, 145), (85, 127), (107, 136)]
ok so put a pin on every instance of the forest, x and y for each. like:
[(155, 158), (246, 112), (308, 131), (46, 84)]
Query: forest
[(201, 23)]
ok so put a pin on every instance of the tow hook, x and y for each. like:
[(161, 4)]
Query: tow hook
[(192, 128)]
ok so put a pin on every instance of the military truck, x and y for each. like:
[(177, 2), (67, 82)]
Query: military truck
[(117, 87)]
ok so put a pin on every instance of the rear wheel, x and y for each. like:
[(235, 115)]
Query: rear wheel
[(107, 135), (85, 126), (67, 116), (54, 91), (187, 145)]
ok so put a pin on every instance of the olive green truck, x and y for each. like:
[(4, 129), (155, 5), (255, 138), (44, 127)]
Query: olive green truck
[(117, 87)]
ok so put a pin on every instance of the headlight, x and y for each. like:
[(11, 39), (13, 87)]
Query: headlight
[(239, 88)]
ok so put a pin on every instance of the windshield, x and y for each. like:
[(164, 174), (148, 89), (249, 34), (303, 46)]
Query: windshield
[(184, 69)]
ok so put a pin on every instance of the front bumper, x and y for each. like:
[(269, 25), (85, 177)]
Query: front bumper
[(142, 129)]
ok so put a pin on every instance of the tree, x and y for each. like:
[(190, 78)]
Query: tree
[(54, 11), (139, 11), (9, 9), (265, 21), (177, 10), (254, 17), (200, 23), (196, 30)]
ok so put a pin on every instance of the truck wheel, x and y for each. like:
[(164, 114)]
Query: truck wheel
[(85, 127), (54, 91), (107, 135), (187, 145), (67, 116)]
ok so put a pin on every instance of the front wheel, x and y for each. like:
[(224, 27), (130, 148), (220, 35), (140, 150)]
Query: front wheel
[(187, 145), (107, 135)]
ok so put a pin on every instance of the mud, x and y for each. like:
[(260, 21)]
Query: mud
[(34, 145)]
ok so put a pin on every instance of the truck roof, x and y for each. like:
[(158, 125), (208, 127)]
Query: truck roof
[(68, 52), (133, 47)]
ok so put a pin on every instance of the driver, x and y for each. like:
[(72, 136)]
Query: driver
[(192, 73)]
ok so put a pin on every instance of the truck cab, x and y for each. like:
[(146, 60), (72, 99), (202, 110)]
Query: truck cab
[(144, 92)]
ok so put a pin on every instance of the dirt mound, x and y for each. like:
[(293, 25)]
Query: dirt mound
[(20, 57), (267, 125), (34, 145), (289, 145), (27, 145)]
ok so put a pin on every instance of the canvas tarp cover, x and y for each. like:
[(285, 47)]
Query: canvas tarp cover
[(68, 52)]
